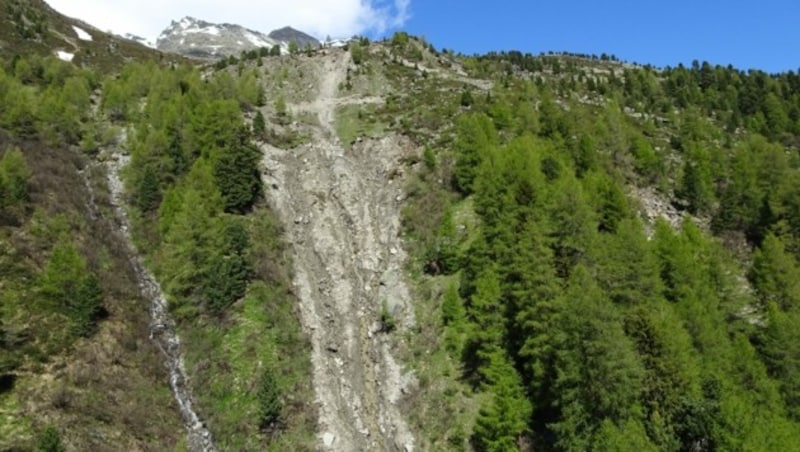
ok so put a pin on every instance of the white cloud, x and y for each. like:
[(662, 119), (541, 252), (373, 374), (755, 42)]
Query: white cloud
[(336, 18)]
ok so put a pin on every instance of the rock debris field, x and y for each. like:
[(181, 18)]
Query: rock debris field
[(341, 210)]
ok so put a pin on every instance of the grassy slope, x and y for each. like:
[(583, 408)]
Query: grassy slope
[(226, 358)]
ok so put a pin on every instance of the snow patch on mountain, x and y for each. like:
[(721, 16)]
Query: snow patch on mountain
[(256, 40), (65, 56), (210, 30), (82, 34), (337, 42)]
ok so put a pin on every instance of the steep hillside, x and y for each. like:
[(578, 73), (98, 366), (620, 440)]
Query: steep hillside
[(388, 247), (554, 320), (544, 188), (75, 357)]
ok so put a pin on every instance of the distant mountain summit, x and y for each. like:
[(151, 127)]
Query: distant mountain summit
[(289, 34), (197, 38)]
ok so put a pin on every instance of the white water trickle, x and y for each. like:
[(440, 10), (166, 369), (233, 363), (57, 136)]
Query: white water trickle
[(162, 326)]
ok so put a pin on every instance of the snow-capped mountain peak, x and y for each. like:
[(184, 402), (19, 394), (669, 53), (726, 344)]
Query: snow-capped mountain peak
[(189, 25)]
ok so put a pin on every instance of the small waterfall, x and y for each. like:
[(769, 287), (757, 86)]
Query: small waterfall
[(162, 326)]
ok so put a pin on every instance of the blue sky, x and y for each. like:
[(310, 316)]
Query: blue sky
[(763, 35)]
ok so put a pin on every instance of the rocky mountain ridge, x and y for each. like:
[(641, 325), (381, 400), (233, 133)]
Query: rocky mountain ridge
[(197, 38)]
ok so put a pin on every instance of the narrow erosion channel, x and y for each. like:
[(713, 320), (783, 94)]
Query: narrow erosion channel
[(162, 326)]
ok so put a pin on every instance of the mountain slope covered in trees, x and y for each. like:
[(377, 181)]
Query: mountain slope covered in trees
[(572, 320), (555, 307)]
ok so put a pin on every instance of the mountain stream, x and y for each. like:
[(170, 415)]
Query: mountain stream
[(162, 326)]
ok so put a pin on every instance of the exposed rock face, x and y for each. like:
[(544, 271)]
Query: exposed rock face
[(205, 40)]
